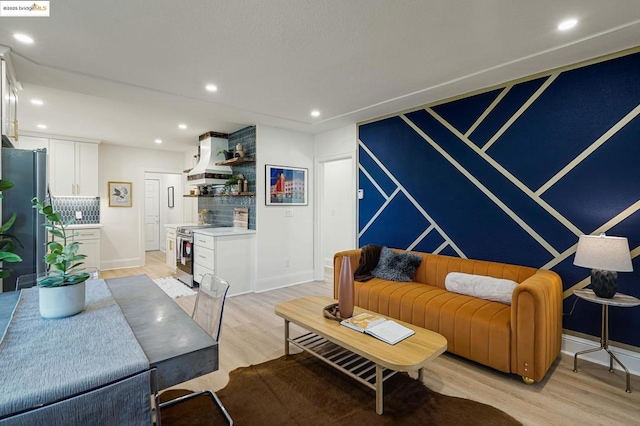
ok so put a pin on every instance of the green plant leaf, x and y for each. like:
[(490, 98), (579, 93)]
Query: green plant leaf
[(4, 273), (9, 257), (57, 233), (5, 227), (6, 184)]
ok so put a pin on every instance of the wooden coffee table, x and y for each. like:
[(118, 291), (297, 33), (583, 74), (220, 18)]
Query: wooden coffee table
[(363, 357)]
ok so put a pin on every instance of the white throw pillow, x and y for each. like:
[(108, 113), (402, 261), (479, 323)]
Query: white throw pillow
[(489, 288)]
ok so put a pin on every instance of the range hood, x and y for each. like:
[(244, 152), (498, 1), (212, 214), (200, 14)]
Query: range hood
[(206, 172)]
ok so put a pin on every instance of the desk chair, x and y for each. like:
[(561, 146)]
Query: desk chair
[(207, 312)]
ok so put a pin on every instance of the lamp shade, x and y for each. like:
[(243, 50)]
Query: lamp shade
[(604, 253)]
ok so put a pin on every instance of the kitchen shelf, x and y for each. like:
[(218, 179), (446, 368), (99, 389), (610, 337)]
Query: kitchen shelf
[(236, 161), (240, 194)]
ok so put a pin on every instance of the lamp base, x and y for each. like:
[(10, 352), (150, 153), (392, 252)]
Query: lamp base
[(604, 283)]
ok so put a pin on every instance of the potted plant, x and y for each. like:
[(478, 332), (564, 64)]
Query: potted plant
[(62, 289), (231, 184), (7, 241), (228, 155)]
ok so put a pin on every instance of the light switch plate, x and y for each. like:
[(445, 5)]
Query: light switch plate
[(288, 213), (78, 214)]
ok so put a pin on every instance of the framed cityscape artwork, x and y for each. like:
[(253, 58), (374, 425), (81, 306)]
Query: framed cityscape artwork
[(286, 186)]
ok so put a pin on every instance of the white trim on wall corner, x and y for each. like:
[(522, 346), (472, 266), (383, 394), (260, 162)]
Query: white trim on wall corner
[(572, 344)]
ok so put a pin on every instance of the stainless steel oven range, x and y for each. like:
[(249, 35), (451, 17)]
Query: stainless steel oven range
[(184, 253)]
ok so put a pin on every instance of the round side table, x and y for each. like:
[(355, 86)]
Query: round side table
[(620, 300)]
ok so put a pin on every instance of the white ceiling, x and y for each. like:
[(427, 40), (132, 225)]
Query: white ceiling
[(127, 72)]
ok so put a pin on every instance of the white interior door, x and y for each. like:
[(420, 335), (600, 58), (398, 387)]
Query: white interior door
[(152, 214), (336, 208)]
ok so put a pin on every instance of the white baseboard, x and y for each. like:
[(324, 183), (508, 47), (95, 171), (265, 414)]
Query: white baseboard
[(328, 262), (120, 264), (573, 344), (282, 281)]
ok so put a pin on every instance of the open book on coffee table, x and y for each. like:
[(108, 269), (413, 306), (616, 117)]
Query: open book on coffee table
[(379, 327)]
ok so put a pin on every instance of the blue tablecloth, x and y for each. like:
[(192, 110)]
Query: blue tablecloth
[(85, 369)]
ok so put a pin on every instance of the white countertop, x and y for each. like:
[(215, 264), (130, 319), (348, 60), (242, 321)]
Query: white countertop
[(85, 226), (177, 225), (222, 232)]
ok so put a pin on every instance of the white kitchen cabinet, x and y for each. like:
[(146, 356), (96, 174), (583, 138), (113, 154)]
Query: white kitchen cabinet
[(230, 257), (89, 239), (73, 167), (32, 142), (171, 248)]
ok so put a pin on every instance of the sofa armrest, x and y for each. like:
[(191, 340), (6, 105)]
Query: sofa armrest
[(536, 324), (354, 256)]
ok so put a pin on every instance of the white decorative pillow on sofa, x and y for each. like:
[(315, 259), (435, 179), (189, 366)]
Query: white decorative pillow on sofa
[(489, 288)]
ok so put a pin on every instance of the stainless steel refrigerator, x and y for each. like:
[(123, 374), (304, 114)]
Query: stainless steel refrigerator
[(28, 171)]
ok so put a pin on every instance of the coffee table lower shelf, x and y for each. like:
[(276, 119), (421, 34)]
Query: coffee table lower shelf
[(353, 365)]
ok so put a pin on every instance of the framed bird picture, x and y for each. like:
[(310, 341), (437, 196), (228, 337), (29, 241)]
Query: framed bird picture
[(120, 194)]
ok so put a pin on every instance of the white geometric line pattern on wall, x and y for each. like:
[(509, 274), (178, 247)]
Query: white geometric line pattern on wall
[(413, 201), (585, 282), (379, 212), (522, 109), (504, 172), (603, 228), (584, 154), (528, 229), (373, 182), (439, 249), (490, 108), (421, 237)]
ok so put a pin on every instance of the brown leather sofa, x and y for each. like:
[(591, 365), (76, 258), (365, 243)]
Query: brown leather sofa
[(524, 338)]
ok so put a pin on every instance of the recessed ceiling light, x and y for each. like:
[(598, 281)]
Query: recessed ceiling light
[(567, 24), (211, 87), (315, 113), (182, 126), (158, 141), (37, 102), (23, 38), (42, 126)]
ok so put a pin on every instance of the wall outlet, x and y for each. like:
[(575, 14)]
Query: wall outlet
[(286, 263), (78, 214)]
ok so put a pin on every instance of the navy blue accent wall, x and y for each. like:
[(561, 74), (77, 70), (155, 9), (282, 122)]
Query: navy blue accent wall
[(515, 175)]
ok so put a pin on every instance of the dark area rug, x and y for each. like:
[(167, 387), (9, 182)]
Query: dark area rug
[(302, 390)]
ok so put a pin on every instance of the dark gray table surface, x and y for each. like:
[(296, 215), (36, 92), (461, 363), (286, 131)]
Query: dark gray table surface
[(173, 342)]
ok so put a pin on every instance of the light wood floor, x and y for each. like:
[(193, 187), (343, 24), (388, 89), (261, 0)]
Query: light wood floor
[(252, 334)]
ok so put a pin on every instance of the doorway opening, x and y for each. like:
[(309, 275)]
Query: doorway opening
[(163, 205)]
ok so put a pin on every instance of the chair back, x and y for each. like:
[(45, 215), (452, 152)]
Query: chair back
[(209, 305), (28, 280), (31, 280)]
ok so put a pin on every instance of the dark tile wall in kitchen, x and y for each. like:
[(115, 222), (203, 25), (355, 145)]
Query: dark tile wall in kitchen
[(68, 206), (221, 208)]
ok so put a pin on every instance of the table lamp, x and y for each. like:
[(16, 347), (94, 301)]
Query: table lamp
[(606, 256)]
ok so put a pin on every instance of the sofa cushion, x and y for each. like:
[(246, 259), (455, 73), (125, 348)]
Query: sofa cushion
[(489, 288), (396, 266), (476, 329)]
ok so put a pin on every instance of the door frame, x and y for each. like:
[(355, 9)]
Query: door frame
[(319, 191)]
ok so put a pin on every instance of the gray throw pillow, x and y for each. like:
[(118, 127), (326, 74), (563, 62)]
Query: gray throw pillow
[(394, 266)]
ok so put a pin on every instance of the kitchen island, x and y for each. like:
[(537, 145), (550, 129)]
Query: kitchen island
[(228, 253)]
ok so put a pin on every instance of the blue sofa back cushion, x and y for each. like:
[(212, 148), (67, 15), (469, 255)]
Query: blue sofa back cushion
[(394, 266)]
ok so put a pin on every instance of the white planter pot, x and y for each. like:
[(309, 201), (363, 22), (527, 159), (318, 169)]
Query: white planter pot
[(61, 302)]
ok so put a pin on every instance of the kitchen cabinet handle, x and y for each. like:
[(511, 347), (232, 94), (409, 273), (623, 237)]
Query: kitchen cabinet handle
[(202, 241)]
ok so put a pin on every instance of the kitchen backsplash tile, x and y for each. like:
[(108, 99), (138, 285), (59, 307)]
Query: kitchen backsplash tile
[(221, 208), (68, 206)]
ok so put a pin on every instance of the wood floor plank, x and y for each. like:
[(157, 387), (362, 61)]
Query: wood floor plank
[(252, 334)]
